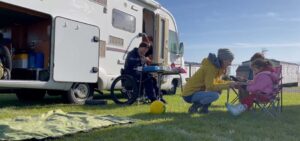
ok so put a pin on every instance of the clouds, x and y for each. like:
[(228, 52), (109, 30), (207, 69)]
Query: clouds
[(241, 45), (266, 45), (243, 26), (276, 16)]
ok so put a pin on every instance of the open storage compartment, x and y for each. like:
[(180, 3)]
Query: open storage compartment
[(27, 35)]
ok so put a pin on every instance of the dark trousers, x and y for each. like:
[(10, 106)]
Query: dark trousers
[(148, 83), (150, 86)]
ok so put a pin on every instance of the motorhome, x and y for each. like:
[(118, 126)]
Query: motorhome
[(73, 47)]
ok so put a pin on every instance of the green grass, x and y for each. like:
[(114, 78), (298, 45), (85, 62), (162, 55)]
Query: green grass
[(175, 124)]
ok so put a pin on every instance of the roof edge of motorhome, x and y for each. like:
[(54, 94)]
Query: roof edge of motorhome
[(152, 3)]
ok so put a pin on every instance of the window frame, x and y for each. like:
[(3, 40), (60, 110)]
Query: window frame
[(120, 26)]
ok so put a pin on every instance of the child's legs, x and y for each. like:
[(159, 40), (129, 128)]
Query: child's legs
[(242, 93), (250, 99), (204, 97)]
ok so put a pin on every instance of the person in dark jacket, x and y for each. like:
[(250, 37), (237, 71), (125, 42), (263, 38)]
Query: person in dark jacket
[(136, 58)]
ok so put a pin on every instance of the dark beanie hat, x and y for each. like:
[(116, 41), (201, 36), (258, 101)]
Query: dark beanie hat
[(225, 54), (143, 44)]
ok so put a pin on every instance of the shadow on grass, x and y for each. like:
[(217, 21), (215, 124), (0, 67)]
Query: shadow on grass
[(10, 100), (183, 126)]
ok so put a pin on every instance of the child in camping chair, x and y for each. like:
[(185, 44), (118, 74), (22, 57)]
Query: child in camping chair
[(260, 88)]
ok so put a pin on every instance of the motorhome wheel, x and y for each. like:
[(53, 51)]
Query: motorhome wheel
[(79, 93), (175, 84)]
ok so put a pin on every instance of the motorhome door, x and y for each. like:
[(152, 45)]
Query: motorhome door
[(161, 40), (76, 51)]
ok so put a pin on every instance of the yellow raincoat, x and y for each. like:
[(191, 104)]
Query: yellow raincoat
[(207, 78)]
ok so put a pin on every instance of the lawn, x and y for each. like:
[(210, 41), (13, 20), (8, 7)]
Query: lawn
[(175, 124)]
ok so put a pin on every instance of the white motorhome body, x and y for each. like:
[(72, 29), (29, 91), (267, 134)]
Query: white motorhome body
[(82, 42)]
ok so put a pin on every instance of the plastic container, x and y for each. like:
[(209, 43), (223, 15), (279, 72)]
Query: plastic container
[(152, 68), (39, 60), (31, 60), (36, 60), (20, 60)]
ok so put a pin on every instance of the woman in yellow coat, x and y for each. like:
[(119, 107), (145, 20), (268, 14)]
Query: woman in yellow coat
[(205, 86)]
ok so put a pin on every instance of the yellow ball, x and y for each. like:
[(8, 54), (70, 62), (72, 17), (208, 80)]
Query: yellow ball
[(157, 107)]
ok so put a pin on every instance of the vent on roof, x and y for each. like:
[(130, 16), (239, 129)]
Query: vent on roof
[(102, 2), (116, 41)]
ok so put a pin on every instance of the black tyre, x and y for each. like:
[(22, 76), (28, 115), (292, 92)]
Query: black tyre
[(124, 90), (6, 74), (79, 93), (172, 91), (30, 94)]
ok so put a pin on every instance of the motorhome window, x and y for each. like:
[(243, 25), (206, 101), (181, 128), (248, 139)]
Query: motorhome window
[(162, 41), (124, 21), (173, 42)]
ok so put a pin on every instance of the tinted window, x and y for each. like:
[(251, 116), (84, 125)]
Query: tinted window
[(124, 21), (173, 42)]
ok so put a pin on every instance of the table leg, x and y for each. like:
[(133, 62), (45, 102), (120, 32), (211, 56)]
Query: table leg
[(228, 95), (181, 83), (159, 76)]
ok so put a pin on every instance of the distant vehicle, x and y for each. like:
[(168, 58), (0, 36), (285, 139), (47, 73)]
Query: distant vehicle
[(191, 68), (73, 47)]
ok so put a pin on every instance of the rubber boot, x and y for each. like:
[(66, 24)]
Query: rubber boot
[(194, 108), (204, 109), (236, 109)]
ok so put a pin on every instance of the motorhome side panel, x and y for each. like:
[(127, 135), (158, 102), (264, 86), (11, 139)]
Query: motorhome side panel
[(76, 51), (120, 32)]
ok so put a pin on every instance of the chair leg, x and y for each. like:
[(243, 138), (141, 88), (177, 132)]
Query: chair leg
[(268, 108)]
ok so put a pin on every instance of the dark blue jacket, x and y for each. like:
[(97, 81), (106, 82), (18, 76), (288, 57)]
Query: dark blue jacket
[(133, 60)]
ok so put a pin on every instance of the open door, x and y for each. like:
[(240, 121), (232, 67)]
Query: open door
[(76, 51), (161, 40)]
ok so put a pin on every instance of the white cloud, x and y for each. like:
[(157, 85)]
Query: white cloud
[(271, 14), (266, 45), (275, 16)]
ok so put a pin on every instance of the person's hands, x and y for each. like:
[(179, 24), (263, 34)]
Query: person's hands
[(242, 83), (241, 78), (148, 60), (143, 59), (236, 85), (232, 84)]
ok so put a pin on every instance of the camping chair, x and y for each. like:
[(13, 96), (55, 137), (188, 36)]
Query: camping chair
[(243, 71), (237, 92), (273, 106)]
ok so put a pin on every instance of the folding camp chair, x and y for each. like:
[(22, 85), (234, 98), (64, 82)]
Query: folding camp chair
[(273, 106), (238, 93), (243, 71)]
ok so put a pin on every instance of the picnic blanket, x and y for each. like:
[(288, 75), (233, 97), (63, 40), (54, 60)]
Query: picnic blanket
[(55, 123)]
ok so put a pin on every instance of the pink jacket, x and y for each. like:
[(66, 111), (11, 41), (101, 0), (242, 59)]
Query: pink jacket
[(262, 83)]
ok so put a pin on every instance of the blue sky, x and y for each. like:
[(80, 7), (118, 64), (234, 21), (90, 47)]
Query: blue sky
[(244, 26)]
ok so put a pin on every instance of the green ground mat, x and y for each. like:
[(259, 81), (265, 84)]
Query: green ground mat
[(55, 123)]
